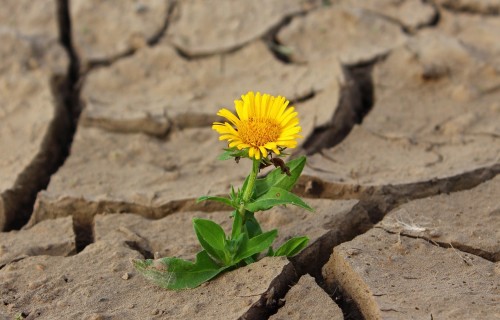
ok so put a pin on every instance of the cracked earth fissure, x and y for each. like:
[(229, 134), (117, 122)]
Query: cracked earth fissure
[(69, 93), (20, 200), (271, 300), (151, 42), (356, 100), (313, 187), (84, 213), (433, 21), (465, 249), (279, 51), (458, 6), (311, 260)]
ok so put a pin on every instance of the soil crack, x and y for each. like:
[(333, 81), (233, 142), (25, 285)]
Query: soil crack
[(356, 100), (311, 260), (151, 42), (280, 51), (314, 187), (271, 300), (410, 30), (471, 7), (490, 256), (56, 144)]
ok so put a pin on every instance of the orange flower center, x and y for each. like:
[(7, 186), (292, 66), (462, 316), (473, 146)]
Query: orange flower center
[(259, 131)]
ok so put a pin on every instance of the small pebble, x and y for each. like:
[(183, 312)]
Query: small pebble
[(126, 276)]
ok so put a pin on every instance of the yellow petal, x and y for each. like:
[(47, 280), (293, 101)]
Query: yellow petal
[(234, 143), (229, 116), (290, 131), (220, 128), (286, 114), (250, 101), (288, 118), (257, 102), (230, 129), (243, 146), (263, 151), (241, 110), (287, 143), (227, 137), (257, 154), (282, 108), (265, 105), (275, 107), (272, 146), (292, 123)]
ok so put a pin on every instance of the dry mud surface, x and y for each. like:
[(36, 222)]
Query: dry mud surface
[(105, 143)]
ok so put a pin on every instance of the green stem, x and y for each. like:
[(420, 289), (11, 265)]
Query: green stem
[(251, 181), (247, 193)]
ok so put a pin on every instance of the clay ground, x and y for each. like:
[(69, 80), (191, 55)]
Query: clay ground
[(105, 143)]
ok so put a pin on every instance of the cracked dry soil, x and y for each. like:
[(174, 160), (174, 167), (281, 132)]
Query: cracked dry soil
[(105, 140)]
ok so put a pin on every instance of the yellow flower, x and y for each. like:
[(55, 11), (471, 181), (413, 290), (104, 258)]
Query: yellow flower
[(263, 123)]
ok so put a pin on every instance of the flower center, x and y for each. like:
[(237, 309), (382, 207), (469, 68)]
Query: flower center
[(259, 131)]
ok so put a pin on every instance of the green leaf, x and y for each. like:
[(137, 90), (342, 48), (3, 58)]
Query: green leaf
[(218, 199), (232, 194), (274, 197), (212, 238), (230, 153), (252, 225), (233, 245), (226, 155), (176, 274), (245, 186), (249, 260), (257, 244), (278, 179), (237, 225), (292, 247), (270, 252)]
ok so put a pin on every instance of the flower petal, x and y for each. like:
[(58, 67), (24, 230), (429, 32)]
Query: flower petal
[(251, 152), (290, 131), (241, 110), (288, 118), (229, 116), (287, 143), (283, 105), (258, 108), (265, 105), (263, 151), (257, 155), (272, 146)]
